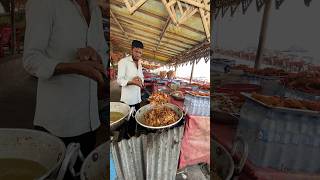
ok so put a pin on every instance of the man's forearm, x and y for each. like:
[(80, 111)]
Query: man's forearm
[(65, 68), (131, 83)]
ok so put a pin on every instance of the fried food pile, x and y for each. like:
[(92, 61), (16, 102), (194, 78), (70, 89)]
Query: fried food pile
[(227, 103), (270, 72), (160, 116), (171, 74), (261, 72), (245, 68), (159, 98), (163, 74), (196, 93), (305, 82), (276, 101)]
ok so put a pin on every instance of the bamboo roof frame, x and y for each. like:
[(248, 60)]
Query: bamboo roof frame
[(161, 41)]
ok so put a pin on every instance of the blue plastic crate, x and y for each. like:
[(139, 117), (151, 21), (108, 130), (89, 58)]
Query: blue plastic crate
[(113, 175)]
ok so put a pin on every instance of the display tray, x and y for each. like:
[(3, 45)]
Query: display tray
[(284, 109)]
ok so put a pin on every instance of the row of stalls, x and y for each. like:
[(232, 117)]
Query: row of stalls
[(265, 107), (174, 33), (27, 153)]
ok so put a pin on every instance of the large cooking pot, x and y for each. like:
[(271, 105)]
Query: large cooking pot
[(123, 109), (37, 146), (141, 112), (95, 166), (222, 161)]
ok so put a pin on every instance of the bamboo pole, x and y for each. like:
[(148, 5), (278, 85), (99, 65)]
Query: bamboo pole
[(174, 20), (13, 26), (121, 28), (192, 71), (263, 34)]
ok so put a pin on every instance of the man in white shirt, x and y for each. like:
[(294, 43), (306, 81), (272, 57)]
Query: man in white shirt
[(130, 78), (66, 49)]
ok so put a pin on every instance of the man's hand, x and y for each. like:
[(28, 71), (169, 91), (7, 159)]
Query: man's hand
[(139, 80), (88, 54), (136, 81), (90, 69)]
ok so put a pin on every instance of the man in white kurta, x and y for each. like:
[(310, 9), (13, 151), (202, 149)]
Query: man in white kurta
[(130, 78), (67, 102)]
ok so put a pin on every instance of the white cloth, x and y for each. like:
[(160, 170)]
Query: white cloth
[(67, 105), (127, 70)]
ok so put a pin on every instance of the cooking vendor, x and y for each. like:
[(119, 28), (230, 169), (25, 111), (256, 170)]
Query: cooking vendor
[(130, 78), (66, 50)]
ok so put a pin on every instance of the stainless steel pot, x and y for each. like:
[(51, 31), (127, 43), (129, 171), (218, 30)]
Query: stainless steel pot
[(222, 161), (43, 148), (95, 166), (123, 109), (141, 112)]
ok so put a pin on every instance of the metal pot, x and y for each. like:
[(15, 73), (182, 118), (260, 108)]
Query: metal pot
[(43, 148), (222, 161), (141, 112), (95, 166), (122, 108)]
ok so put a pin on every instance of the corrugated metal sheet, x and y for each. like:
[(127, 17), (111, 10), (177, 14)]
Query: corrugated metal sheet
[(278, 134), (151, 157)]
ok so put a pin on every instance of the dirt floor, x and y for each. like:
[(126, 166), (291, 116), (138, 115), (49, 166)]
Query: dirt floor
[(18, 97)]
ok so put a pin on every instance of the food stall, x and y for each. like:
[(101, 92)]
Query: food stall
[(270, 100), (174, 112)]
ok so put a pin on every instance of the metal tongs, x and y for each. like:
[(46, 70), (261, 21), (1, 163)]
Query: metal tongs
[(131, 113)]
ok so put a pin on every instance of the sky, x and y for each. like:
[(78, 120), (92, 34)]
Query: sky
[(293, 25), (201, 70)]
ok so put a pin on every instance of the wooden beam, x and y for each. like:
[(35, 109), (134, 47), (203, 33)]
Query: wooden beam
[(191, 76), (146, 51), (137, 6), (13, 27), (154, 41), (189, 13), (263, 33), (180, 7), (143, 36), (173, 18), (172, 2), (116, 20), (165, 27), (130, 26), (169, 51), (205, 22), (129, 21), (128, 5), (205, 43), (117, 3)]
